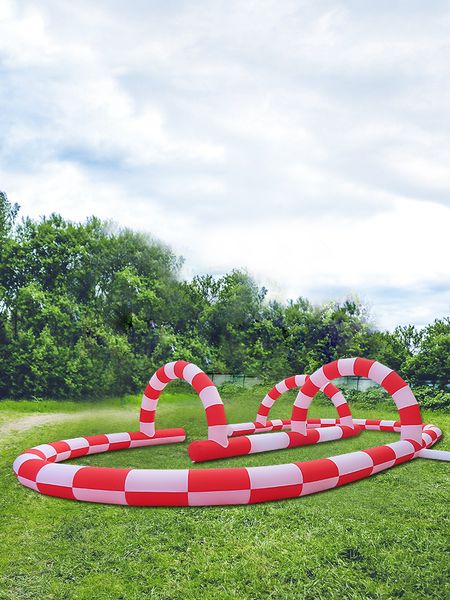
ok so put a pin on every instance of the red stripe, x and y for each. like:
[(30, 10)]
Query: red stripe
[(330, 390), (297, 439), (362, 367), (101, 478), (162, 375), (349, 431), (156, 498), (215, 415), (60, 446), (263, 410), (274, 393), (331, 370), (56, 490), (30, 468), (214, 480), (179, 368), (410, 415), (80, 452), (298, 413), (93, 440), (201, 381), (119, 445), (202, 450), (147, 416), (393, 382), (275, 493), (309, 388), (151, 393), (290, 382), (344, 411), (380, 454), (349, 477), (316, 470), (402, 459)]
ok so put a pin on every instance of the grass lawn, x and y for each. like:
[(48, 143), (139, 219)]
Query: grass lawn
[(383, 537)]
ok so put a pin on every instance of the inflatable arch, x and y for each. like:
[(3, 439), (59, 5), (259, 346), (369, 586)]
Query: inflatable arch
[(38, 468)]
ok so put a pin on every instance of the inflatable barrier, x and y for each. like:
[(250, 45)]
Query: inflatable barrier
[(38, 468)]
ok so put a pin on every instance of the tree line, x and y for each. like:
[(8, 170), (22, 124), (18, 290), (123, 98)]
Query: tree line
[(90, 310)]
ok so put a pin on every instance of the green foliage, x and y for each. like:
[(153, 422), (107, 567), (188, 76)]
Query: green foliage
[(89, 309)]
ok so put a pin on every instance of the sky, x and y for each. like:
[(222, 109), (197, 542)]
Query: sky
[(307, 142)]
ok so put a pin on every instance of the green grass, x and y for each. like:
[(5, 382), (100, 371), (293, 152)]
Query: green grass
[(383, 537)]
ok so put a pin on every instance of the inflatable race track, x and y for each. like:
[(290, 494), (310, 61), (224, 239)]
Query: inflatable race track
[(39, 468)]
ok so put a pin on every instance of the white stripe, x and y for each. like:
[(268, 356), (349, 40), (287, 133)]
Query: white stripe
[(346, 366), (298, 427), (217, 498), (147, 428), (157, 480), (148, 403), (378, 372), (300, 380), (28, 483), (118, 437), (190, 371), (338, 399), (169, 370), (401, 448), (354, 461), (267, 401), (53, 474), (282, 387), (155, 441), (156, 383), (347, 421), (411, 432), (435, 454), (327, 434), (319, 378), (274, 476), (103, 496), (302, 400), (268, 441), (219, 434), (210, 396), (404, 397), (46, 449), (77, 443), (319, 486)]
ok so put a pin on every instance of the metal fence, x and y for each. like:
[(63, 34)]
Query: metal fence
[(350, 383), (243, 380)]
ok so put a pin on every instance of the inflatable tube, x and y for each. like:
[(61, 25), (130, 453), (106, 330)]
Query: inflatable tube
[(38, 468), (296, 381)]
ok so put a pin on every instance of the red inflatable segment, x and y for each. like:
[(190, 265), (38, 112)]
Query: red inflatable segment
[(202, 384), (408, 408), (204, 450)]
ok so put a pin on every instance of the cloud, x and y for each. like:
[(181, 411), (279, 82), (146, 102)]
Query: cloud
[(307, 142)]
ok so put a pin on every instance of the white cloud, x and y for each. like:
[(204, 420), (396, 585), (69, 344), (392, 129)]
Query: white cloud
[(307, 142)]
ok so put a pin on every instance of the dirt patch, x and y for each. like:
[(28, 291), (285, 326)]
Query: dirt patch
[(31, 421)]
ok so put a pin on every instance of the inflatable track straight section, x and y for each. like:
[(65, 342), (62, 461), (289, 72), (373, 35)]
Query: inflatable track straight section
[(38, 468)]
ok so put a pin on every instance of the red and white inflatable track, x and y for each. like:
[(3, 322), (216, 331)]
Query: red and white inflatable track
[(38, 468)]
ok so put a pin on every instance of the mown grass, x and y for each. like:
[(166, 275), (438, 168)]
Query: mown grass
[(383, 537)]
